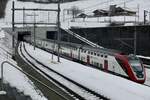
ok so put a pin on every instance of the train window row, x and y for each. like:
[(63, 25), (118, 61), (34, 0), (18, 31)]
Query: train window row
[(93, 53), (97, 64), (90, 52), (72, 48)]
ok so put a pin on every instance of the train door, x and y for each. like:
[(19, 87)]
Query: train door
[(105, 65), (71, 53), (88, 59)]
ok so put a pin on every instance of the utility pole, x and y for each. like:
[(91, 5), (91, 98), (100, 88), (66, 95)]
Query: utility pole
[(149, 16), (58, 31), (13, 29), (138, 6), (13, 23), (48, 16), (34, 30), (145, 14), (23, 16), (124, 15), (135, 39)]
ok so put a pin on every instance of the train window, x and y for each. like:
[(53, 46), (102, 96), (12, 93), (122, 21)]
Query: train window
[(92, 62), (94, 53), (105, 56), (91, 53), (96, 64), (88, 52), (81, 50), (98, 54), (101, 55), (101, 65)]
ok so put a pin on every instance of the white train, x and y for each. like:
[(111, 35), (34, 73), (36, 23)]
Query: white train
[(128, 66)]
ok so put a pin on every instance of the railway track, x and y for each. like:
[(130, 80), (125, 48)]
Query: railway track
[(83, 88), (49, 51), (57, 92)]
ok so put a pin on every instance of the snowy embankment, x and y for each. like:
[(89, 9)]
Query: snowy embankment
[(14, 77), (113, 87)]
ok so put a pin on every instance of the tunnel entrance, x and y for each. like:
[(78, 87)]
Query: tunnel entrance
[(23, 34)]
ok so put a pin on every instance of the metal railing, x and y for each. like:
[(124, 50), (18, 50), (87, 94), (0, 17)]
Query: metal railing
[(8, 54), (2, 78), (83, 39)]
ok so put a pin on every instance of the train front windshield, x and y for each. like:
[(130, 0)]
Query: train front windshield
[(136, 66)]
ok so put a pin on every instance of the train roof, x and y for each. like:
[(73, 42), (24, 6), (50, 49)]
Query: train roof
[(86, 47)]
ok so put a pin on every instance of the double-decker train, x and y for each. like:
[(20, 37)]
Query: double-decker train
[(128, 66)]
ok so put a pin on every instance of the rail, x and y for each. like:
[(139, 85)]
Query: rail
[(2, 78)]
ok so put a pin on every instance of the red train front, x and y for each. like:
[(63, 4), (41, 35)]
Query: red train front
[(133, 67)]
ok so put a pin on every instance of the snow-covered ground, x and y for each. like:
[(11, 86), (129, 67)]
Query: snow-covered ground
[(11, 75), (114, 87)]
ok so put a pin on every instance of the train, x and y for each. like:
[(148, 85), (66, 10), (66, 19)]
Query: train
[(111, 61)]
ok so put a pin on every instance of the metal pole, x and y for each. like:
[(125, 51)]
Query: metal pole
[(135, 40), (58, 31), (34, 30), (2, 77), (145, 14), (23, 16), (124, 15), (138, 12), (13, 24), (48, 17), (149, 16)]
